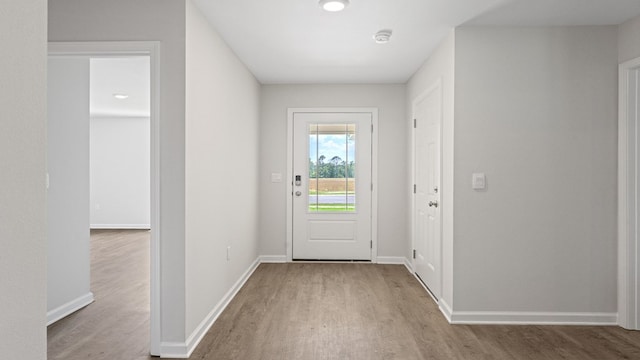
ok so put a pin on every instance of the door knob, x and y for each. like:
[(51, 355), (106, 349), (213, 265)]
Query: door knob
[(433, 203), (298, 193)]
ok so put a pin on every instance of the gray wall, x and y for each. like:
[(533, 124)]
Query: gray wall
[(222, 104), (162, 20), (23, 96), (629, 40), (535, 110), (68, 259), (392, 162), (120, 172)]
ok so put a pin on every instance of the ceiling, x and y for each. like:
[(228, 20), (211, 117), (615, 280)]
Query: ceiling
[(128, 76), (294, 41)]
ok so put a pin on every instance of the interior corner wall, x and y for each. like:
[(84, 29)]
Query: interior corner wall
[(535, 110), (628, 43), (23, 103), (222, 105), (438, 68), (120, 172), (148, 20), (392, 162)]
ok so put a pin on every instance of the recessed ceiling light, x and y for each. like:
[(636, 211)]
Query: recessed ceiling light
[(334, 5), (383, 36), (120, 96)]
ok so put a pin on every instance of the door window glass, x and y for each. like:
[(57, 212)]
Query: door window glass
[(332, 166)]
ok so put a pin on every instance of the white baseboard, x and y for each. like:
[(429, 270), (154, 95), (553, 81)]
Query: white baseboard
[(184, 350), (409, 265), (69, 308), (532, 318), (273, 259), (445, 309), (396, 260), (120, 226)]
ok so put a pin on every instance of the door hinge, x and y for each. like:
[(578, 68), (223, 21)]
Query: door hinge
[(414, 253), (414, 188), (371, 186), (415, 123), (371, 127), (371, 244)]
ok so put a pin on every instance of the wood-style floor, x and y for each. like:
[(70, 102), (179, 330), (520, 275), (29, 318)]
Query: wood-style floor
[(311, 311), (364, 311), (116, 325)]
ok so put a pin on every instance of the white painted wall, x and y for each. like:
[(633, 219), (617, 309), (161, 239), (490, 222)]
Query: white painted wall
[(628, 43), (439, 67), (23, 212), (120, 170), (535, 109), (222, 101), (68, 260), (392, 137), (153, 20)]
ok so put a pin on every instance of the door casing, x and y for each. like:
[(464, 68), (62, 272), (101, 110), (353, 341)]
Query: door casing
[(629, 195), (374, 172)]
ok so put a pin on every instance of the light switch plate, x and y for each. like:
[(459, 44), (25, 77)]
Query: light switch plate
[(276, 177), (478, 181)]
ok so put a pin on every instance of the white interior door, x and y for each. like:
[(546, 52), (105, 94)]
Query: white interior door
[(427, 241), (332, 186)]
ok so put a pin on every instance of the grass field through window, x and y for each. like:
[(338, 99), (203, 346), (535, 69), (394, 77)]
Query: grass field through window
[(332, 207)]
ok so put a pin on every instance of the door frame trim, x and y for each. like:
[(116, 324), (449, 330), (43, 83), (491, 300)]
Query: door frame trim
[(140, 48), (374, 172), (435, 86), (628, 204)]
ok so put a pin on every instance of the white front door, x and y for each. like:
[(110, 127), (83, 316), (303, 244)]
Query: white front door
[(332, 186), (428, 114)]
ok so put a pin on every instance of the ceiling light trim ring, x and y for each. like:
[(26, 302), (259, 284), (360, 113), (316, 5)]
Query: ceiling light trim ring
[(333, 5)]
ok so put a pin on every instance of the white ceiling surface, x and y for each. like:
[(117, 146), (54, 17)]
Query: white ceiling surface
[(294, 41), (127, 75), (561, 12)]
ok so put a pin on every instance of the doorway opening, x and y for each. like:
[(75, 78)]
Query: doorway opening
[(106, 210)]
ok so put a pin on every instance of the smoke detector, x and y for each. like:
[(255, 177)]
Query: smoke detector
[(383, 36)]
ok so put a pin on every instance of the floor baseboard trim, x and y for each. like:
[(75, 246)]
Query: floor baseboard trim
[(445, 309), (175, 350), (409, 265), (69, 308), (396, 260), (184, 350), (120, 226), (273, 259), (532, 318)]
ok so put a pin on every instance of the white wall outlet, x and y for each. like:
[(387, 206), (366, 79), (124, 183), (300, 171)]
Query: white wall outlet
[(478, 181), (228, 253)]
